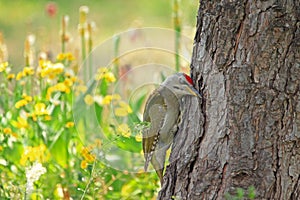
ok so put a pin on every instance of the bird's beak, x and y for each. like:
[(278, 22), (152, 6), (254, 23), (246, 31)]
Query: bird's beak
[(193, 91)]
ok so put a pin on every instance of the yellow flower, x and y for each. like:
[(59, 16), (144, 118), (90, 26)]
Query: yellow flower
[(120, 112), (80, 89), (21, 103), (126, 106), (116, 97), (103, 100), (59, 87), (44, 63), (74, 79), (88, 99), (52, 70), (38, 153), (14, 134), (62, 88), (33, 115), (123, 110), (68, 75), (60, 56), (40, 109), (68, 82), (7, 130), (110, 77), (87, 155), (69, 56), (21, 123), (90, 157), (3, 66), (124, 130), (104, 73), (1, 148), (139, 137), (10, 76), (28, 71), (19, 76), (47, 118), (27, 98), (69, 124), (107, 99), (83, 164)]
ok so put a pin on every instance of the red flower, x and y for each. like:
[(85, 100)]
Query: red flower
[(51, 9)]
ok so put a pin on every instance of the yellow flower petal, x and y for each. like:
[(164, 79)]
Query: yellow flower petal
[(28, 71), (27, 97), (20, 123), (21, 103), (10, 76), (47, 118), (139, 137), (40, 109), (124, 130), (69, 56), (19, 76), (88, 99), (110, 77), (3, 66), (69, 124), (7, 130), (121, 112), (83, 164), (107, 99), (60, 56)]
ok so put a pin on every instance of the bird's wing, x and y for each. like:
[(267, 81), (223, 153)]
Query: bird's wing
[(154, 98), (154, 113)]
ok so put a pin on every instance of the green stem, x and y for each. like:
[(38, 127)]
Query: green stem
[(90, 180), (116, 54), (177, 28), (6, 96), (90, 47), (83, 56), (63, 45), (177, 47)]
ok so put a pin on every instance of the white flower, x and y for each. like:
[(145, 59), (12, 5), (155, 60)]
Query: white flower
[(33, 174)]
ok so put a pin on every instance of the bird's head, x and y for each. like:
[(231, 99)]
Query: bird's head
[(181, 84)]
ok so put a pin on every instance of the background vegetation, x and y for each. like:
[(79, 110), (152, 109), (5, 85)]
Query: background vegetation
[(44, 153)]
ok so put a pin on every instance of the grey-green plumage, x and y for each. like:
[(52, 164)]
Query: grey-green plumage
[(162, 110)]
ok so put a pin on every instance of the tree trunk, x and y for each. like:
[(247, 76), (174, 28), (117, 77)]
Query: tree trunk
[(246, 129)]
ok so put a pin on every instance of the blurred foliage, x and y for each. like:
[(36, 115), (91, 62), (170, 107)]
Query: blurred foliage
[(19, 18), (49, 148), (240, 194)]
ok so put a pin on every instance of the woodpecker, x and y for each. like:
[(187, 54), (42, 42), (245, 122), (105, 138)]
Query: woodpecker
[(162, 111)]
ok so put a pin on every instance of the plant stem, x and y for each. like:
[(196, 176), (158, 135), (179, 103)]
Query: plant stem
[(116, 54), (177, 28), (90, 47), (90, 180)]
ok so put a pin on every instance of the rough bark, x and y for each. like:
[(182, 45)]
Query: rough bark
[(246, 129)]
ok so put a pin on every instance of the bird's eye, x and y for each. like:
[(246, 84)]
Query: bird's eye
[(181, 80)]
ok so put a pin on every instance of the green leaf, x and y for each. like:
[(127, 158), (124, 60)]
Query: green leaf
[(59, 148), (98, 110), (251, 192), (14, 154), (129, 144)]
